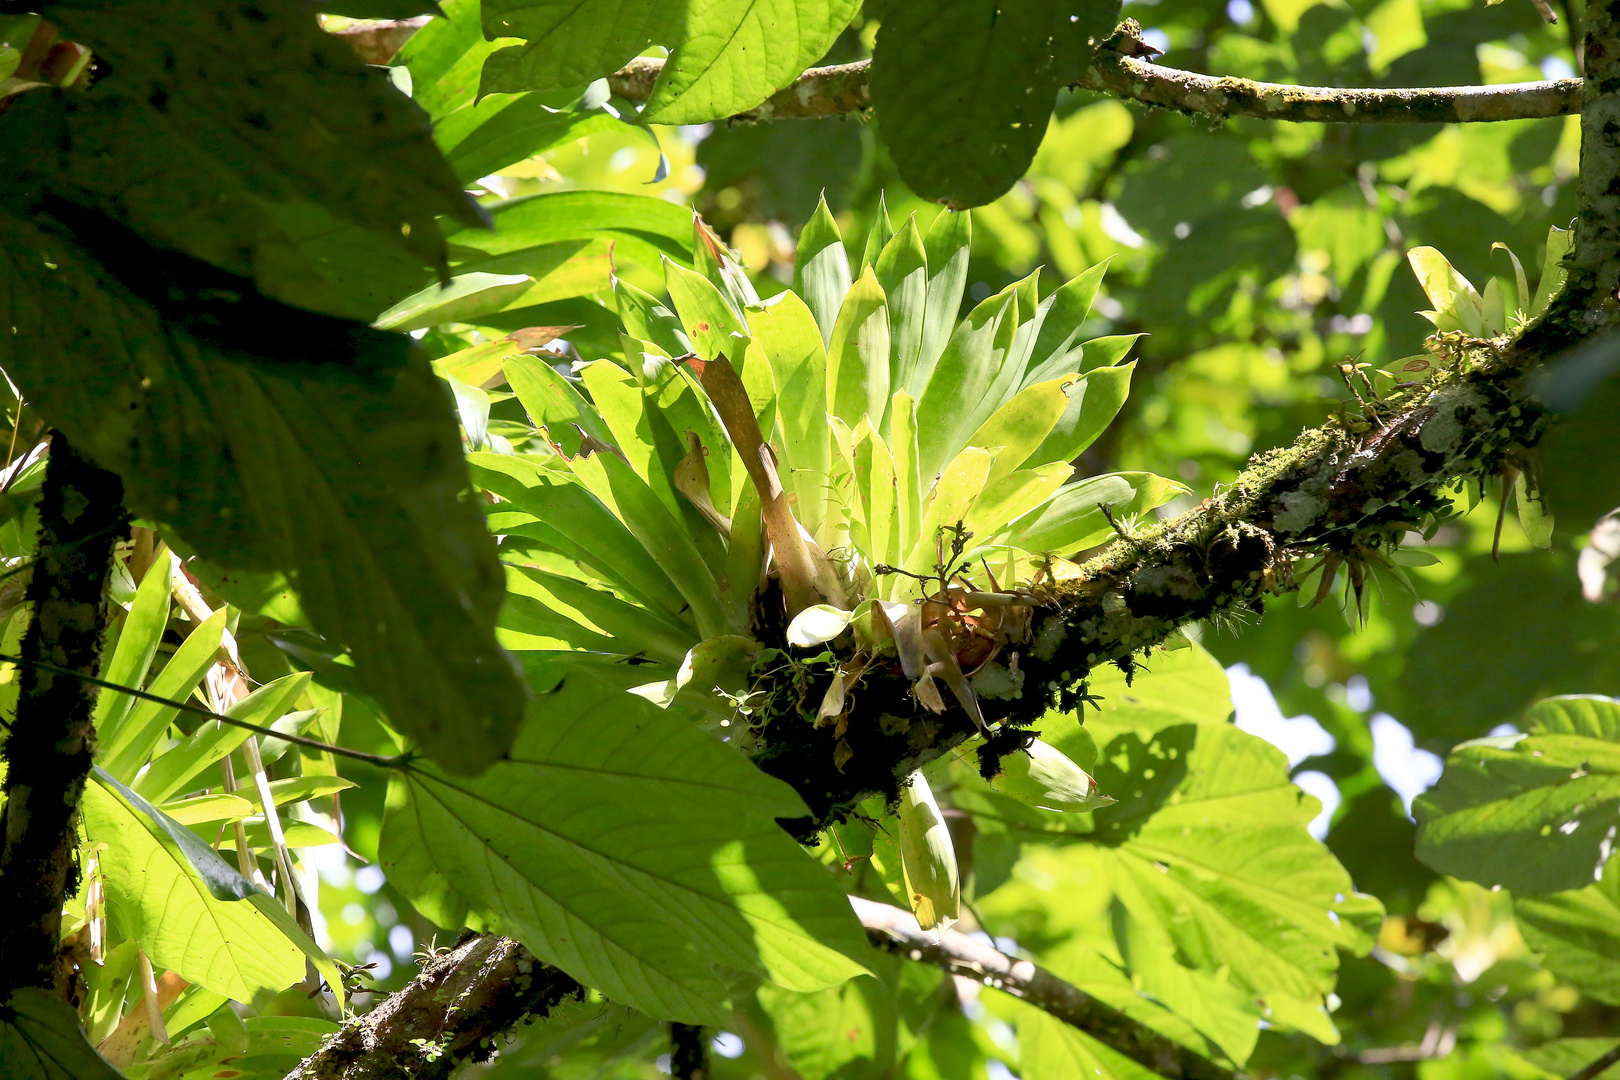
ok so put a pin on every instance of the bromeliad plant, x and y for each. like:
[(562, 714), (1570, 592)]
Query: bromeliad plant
[(770, 501)]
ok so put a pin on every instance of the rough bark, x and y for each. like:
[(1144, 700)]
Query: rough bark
[(897, 931), (448, 1015), (688, 1052), (841, 89), (48, 751), (833, 91), (1350, 488)]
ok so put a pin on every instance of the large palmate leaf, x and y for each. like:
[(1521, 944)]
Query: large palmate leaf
[(1214, 888), (154, 898), (1578, 933), (1533, 812), (40, 1039), (726, 56), (1049, 1049), (623, 845), (846, 1031), (965, 88), (343, 474), (250, 139)]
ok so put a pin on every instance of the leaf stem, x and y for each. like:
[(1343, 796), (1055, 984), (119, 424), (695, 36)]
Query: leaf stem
[(1597, 1068), (397, 761)]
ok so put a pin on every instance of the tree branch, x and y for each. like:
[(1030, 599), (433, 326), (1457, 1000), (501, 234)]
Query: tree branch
[(830, 91), (1598, 1067), (446, 1016), (1136, 79), (841, 89), (48, 752), (897, 931)]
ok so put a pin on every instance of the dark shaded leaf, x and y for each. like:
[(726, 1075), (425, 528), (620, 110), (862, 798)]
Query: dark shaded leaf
[(40, 1039), (271, 438), (965, 87)]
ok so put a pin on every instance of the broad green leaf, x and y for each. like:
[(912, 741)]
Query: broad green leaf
[(1207, 844), (341, 470), (1531, 812), (172, 771), (516, 131), (858, 354), (204, 808), (731, 57), (259, 1048), (1534, 516), (947, 505), (1187, 685), (663, 537), (591, 527), (1074, 521), (959, 382), (947, 248), (872, 469), (1031, 313), (126, 746), (553, 403), (1578, 933), (966, 89), (214, 164), (1016, 429), (472, 408), (725, 58), (445, 57), (41, 1039), (786, 330), (137, 644), (480, 363), (647, 318), (538, 601), (902, 272), (1553, 271), (1066, 311), (1105, 351), (631, 850), (1457, 304), (181, 922), (715, 327), (297, 789), (847, 1031), (461, 298), (908, 478), (1007, 498), (877, 237), (641, 227), (821, 269), (1094, 401), (1049, 1049)]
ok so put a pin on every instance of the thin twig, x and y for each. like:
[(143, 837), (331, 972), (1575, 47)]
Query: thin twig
[(1597, 1068), (398, 761)]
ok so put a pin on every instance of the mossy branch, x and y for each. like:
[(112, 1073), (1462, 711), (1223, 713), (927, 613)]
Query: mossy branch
[(833, 91), (841, 89), (896, 931), (48, 749), (1350, 488), (448, 1015)]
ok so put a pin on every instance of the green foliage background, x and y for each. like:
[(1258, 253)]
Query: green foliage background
[(1245, 261)]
